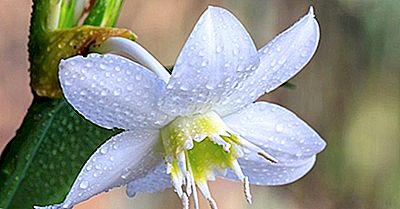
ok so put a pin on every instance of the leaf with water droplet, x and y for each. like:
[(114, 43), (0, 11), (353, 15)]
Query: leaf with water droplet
[(55, 34), (44, 63), (30, 172)]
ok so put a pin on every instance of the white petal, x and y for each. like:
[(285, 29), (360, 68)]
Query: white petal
[(112, 91), (277, 131), (280, 60), (261, 172), (126, 156), (289, 52), (218, 54), (155, 181)]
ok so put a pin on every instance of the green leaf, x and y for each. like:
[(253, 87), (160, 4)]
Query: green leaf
[(40, 164)]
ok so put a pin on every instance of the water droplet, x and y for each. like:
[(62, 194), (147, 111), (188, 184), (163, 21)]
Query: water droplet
[(117, 92), (129, 87), (103, 93), (183, 88), (208, 86), (202, 52), (84, 184), (102, 66), (67, 83), (61, 45), (89, 167), (98, 166), (104, 150), (89, 64), (204, 63), (219, 49), (125, 173), (235, 51), (279, 127)]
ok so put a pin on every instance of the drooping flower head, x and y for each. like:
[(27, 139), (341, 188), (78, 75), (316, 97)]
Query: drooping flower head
[(199, 123)]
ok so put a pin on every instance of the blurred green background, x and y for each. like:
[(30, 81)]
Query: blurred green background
[(350, 93)]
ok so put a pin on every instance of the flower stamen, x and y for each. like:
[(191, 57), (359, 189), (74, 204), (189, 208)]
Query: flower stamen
[(246, 144), (239, 173), (206, 193), (220, 141), (247, 192)]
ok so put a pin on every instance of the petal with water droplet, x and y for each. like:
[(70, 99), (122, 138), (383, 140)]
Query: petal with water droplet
[(261, 172), (130, 155), (277, 131), (281, 59), (298, 44), (115, 91), (217, 56), (155, 181)]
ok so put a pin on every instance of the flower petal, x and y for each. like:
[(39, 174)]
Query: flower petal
[(218, 54), (261, 172), (280, 60), (112, 91), (126, 156), (277, 131), (155, 181)]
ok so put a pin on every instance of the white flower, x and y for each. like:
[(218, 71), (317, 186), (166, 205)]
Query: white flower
[(200, 123)]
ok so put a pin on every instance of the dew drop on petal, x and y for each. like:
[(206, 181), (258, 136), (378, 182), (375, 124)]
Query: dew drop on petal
[(104, 150), (89, 167), (219, 49), (279, 127), (84, 185), (102, 66)]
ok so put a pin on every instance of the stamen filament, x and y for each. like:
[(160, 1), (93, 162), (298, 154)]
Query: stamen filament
[(243, 142), (206, 193), (190, 181), (239, 173), (185, 201), (247, 192)]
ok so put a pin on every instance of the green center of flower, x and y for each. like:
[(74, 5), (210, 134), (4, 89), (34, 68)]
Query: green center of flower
[(196, 147), (204, 141)]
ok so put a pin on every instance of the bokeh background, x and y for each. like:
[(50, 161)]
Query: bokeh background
[(350, 93)]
